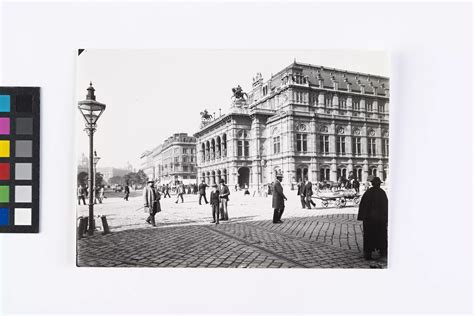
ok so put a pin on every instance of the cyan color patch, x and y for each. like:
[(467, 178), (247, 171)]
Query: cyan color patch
[(4, 103), (4, 216)]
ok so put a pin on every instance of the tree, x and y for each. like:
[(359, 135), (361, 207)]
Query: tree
[(141, 177), (82, 178), (116, 180), (99, 179)]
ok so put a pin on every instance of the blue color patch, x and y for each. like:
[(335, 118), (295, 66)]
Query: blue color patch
[(4, 216), (4, 103)]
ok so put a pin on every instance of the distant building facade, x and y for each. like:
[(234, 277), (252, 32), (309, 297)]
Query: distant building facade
[(107, 172), (306, 121), (172, 161)]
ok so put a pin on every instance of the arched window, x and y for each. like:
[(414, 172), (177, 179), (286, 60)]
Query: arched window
[(342, 172), (301, 173), (208, 146), (213, 149), (224, 145), (219, 147), (324, 173)]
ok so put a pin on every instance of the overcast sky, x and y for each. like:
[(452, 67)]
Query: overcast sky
[(151, 94)]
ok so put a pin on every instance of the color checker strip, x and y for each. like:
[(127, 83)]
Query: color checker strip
[(19, 159)]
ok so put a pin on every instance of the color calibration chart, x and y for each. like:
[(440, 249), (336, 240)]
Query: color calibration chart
[(19, 159)]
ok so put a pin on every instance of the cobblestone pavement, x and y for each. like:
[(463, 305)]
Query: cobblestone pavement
[(317, 238)]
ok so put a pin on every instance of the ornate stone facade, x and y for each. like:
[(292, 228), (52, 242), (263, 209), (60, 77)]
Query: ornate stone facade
[(174, 160), (305, 121)]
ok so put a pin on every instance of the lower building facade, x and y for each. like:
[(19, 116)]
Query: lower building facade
[(173, 161)]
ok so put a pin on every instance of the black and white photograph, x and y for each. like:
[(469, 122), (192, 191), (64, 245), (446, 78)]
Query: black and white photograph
[(236, 157), (232, 158)]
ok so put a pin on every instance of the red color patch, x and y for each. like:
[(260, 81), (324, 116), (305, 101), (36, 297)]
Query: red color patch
[(4, 171)]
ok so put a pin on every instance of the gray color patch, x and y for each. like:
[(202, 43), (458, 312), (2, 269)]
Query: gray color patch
[(23, 171), (23, 148)]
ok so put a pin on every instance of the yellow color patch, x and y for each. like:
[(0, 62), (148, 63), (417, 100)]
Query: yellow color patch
[(4, 148)]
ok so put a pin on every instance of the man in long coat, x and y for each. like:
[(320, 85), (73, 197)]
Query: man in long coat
[(224, 199), (279, 198), (373, 212), (202, 192), (308, 193), (151, 199)]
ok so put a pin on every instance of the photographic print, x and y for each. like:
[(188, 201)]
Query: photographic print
[(232, 158)]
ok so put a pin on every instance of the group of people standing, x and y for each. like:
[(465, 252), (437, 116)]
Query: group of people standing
[(373, 208), (83, 194)]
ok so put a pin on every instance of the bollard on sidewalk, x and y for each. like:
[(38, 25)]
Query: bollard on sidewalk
[(80, 228), (105, 225)]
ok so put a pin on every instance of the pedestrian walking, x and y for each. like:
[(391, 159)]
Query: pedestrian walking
[(308, 192), (202, 191), (224, 193), (278, 201), (81, 194), (300, 193), (373, 212), (151, 199), (180, 192), (166, 190), (127, 192)]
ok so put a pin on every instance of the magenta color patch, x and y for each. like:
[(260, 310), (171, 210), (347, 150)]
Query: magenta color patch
[(4, 126)]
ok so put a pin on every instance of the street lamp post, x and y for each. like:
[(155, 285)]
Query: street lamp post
[(91, 110), (96, 161)]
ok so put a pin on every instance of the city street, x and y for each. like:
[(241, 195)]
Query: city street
[(184, 237)]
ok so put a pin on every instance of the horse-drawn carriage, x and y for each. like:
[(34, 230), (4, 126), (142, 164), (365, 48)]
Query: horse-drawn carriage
[(339, 198)]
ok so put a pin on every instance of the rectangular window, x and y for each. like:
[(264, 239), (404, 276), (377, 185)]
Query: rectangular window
[(369, 105), (246, 148), (340, 145), (371, 146), (301, 142), (324, 143), (184, 150), (356, 146), (328, 100), (342, 103), (381, 107), (276, 145), (185, 168), (240, 148), (356, 104), (385, 147)]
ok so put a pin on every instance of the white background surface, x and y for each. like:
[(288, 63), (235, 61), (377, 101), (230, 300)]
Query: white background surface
[(430, 232)]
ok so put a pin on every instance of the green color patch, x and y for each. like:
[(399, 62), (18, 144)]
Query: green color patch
[(4, 194)]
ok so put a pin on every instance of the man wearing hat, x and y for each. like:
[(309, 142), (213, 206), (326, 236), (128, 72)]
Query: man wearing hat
[(224, 197), (151, 199), (279, 198), (373, 212), (214, 200)]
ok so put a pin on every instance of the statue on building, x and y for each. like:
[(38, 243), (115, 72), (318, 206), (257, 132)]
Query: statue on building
[(239, 94), (205, 116)]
